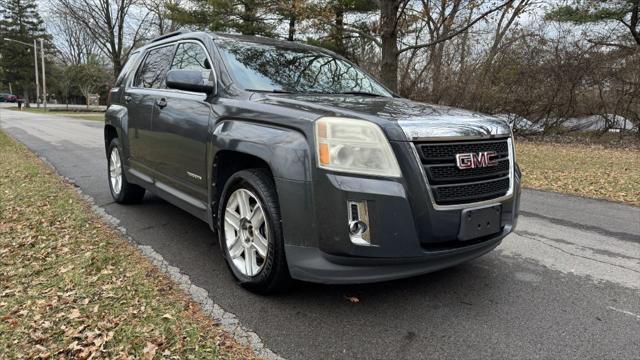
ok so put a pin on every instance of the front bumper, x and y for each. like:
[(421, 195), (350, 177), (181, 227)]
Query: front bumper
[(311, 264), (409, 236)]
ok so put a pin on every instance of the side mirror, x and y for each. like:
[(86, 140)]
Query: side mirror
[(192, 80)]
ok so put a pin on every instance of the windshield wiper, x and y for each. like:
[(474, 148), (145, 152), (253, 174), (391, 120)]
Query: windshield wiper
[(357, 93), (275, 91)]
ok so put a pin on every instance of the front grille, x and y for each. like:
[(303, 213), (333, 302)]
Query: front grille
[(447, 151), (450, 185)]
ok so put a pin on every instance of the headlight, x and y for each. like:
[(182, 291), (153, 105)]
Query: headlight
[(354, 146)]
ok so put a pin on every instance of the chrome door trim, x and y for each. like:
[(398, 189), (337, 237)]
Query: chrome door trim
[(130, 81), (140, 175), (180, 195)]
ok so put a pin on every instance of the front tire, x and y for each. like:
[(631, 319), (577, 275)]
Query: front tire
[(250, 234), (122, 191)]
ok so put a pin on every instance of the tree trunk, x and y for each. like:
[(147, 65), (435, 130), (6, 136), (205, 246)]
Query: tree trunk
[(160, 23), (25, 96), (389, 36), (635, 19), (292, 28), (436, 73), (249, 18), (338, 32), (292, 21), (117, 65)]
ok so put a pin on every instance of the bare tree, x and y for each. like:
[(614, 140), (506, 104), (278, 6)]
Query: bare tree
[(396, 14), (507, 18), (160, 14), (75, 46), (114, 25)]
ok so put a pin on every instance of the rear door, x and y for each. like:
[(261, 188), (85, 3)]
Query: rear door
[(140, 99), (181, 121)]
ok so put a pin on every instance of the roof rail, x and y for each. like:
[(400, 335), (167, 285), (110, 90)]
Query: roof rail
[(171, 34)]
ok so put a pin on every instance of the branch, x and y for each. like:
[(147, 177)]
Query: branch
[(354, 29), (456, 33)]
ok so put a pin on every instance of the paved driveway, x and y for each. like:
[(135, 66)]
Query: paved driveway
[(565, 285)]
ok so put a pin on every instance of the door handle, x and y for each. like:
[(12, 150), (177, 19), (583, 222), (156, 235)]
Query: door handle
[(127, 99), (161, 103)]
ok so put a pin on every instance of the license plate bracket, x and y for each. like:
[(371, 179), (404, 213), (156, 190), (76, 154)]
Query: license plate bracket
[(479, 222)]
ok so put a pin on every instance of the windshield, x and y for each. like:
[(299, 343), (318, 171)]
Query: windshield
[(261, 67)]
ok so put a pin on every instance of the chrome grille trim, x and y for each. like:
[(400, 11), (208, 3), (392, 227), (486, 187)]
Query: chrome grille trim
[(425, 179)]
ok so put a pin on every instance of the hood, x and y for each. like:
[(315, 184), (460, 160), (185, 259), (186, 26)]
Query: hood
[(402, 119)]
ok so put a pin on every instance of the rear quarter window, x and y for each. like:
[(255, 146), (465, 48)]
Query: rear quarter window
[(126, 69), (154, 68)]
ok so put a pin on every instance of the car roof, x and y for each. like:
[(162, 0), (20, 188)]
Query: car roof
[(265, 41), (181, 35)]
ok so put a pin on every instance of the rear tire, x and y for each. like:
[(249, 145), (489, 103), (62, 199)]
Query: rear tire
[(250, 233), (122, 191)]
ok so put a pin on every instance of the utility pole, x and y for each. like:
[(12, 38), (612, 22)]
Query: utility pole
[(35, 64), (10, 90), (44, 77)]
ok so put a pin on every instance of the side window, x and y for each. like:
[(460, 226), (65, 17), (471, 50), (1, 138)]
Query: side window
[(191, 56), (154, 68), (126, 70)]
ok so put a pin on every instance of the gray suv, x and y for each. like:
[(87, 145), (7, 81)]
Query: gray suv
[(304, 165)]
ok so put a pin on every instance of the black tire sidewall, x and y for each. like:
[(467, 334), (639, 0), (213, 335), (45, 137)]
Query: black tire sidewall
[(248, 180)]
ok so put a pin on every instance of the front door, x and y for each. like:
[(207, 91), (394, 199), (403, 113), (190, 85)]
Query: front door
[(181, 123), (140, 99)]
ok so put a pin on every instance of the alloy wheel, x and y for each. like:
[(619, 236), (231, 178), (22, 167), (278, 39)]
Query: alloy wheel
[(115, 170), (246, 232)]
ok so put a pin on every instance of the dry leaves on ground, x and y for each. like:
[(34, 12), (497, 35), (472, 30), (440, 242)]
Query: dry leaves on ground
[(71, 287), (592, 171)]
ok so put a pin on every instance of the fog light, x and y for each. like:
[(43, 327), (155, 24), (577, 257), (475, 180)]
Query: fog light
[(357, 227), (358, 223)]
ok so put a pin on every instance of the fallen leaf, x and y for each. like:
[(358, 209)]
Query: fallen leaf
[(149, 351), (65, 269), (75, 313), (352, 299)]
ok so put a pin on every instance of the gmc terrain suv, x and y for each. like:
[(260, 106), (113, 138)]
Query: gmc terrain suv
[(304, 165)]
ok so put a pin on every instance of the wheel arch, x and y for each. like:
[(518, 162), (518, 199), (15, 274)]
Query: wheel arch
[(110, 133), (228, 162), (115, 125), (239, 145), (285, 151)]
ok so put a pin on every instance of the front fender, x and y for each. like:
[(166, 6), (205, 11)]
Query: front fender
[(285, 150)]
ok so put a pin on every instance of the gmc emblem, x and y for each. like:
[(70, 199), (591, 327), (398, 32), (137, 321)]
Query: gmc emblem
[(473, 160)]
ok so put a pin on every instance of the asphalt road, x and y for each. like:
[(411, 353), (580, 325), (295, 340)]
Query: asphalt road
[(566, 284)]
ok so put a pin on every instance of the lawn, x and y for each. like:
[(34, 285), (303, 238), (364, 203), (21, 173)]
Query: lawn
[(592, 171), (82, 115), (72, 287)]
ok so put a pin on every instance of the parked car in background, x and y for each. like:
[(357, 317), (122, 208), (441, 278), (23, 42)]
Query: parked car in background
[(521, 125), (304, 165), (606, 122), (7, 97)]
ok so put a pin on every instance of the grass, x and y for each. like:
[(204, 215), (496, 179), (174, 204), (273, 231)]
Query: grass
[(591, 171), (71, 287), (83, 115)]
